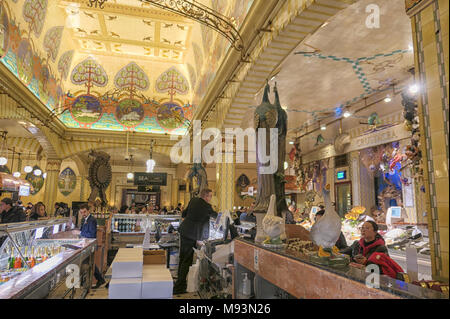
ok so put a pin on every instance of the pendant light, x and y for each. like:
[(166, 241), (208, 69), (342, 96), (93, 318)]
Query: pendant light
[(130, 175), (150, 162), (28, 169), (16, 174), (4, 150), (37, 171)]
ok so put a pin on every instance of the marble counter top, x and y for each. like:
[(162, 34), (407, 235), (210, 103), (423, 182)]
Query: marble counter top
[(14, 287), (393, 287)]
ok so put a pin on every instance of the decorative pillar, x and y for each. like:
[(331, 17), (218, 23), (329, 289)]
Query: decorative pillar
[(187, 195), (429, 20), (51, 184), (175, 187), (225, 175)]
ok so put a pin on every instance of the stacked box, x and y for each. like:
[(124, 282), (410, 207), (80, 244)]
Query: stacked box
[(157, 282), (126, 282)]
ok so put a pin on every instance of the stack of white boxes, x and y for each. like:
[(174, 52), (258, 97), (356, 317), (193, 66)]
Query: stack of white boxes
[(132, 279), (126, 282)]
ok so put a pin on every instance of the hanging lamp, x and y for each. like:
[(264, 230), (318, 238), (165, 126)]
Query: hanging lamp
[(28, 169), (151, 162), (130, 175), (4, 150)]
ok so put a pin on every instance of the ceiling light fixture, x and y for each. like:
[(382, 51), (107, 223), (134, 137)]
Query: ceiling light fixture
[(44, 176), (347, 114), (150, 162), (387, 99), (410, 47), (16, 174), (28, 169), (4, 150), (414, 88), (291, 143), (37, 172), (323, 127)]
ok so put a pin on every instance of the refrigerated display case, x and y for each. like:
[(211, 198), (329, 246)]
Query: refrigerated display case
[(34, 264), (128, 229)]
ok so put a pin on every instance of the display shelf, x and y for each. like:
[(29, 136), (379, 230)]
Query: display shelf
[(33, 263)]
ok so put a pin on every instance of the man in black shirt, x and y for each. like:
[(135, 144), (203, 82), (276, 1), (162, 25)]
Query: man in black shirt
[(195, 227), (10, 214)]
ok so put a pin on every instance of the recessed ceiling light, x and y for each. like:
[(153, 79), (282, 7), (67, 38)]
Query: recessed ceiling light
[(347, 114), (323, 127), (387, 99), (291, 143)]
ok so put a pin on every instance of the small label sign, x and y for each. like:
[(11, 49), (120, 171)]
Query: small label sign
[(256, 260)]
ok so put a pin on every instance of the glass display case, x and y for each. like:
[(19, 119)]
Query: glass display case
[(128, 229), (36, 260)]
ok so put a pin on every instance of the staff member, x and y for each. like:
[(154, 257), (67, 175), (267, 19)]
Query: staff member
[(195, 227), (89, 230), (9, 213)]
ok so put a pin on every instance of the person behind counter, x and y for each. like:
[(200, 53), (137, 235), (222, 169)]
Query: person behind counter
[(195, 227), (290, 215), (89, 230), (10, 213), (38, 211)]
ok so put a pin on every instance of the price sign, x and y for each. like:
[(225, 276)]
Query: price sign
[(39, 233)]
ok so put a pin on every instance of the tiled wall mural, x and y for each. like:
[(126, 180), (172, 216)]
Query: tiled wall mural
[(19, 55)]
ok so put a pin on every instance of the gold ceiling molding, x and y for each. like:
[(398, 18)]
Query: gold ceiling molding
[(413, 7), (204, 15)]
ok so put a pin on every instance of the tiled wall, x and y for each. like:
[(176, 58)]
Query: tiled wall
[(430, 35)]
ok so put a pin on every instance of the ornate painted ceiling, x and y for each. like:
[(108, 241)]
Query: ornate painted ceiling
[(128, 66)]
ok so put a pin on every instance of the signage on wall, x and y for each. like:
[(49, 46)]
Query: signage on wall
[(383, 136), (341, 175), (150, 179), (146, 189)]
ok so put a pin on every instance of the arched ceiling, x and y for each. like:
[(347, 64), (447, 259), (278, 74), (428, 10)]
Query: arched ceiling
[(339, 65), (128, 66)]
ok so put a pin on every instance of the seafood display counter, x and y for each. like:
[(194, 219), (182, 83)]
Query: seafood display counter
[(36, 265), (285, 273)]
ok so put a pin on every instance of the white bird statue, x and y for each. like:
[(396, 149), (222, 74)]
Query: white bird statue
[(326, 231)]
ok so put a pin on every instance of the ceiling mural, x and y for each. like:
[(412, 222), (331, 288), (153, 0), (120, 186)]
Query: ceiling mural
[(23, 60), (65, 61), (4, 32), (34, 12), (52, 41), (124, 67)]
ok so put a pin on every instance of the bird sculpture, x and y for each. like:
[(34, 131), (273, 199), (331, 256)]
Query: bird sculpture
[(326, 231)]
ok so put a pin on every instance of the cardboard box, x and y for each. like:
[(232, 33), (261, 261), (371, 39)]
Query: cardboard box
[(127, 263), (125, 288), (157, 282), (155, 257)]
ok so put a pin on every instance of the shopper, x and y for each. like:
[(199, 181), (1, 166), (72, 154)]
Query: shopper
[(179, 207), (10, 213), (89, 230), (194, 228), (369, 243), (38, 211)]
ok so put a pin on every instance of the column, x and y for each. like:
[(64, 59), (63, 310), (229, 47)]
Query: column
[(175, 187), (51, 184), (225, 175), (187, 195), (429, 20)]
